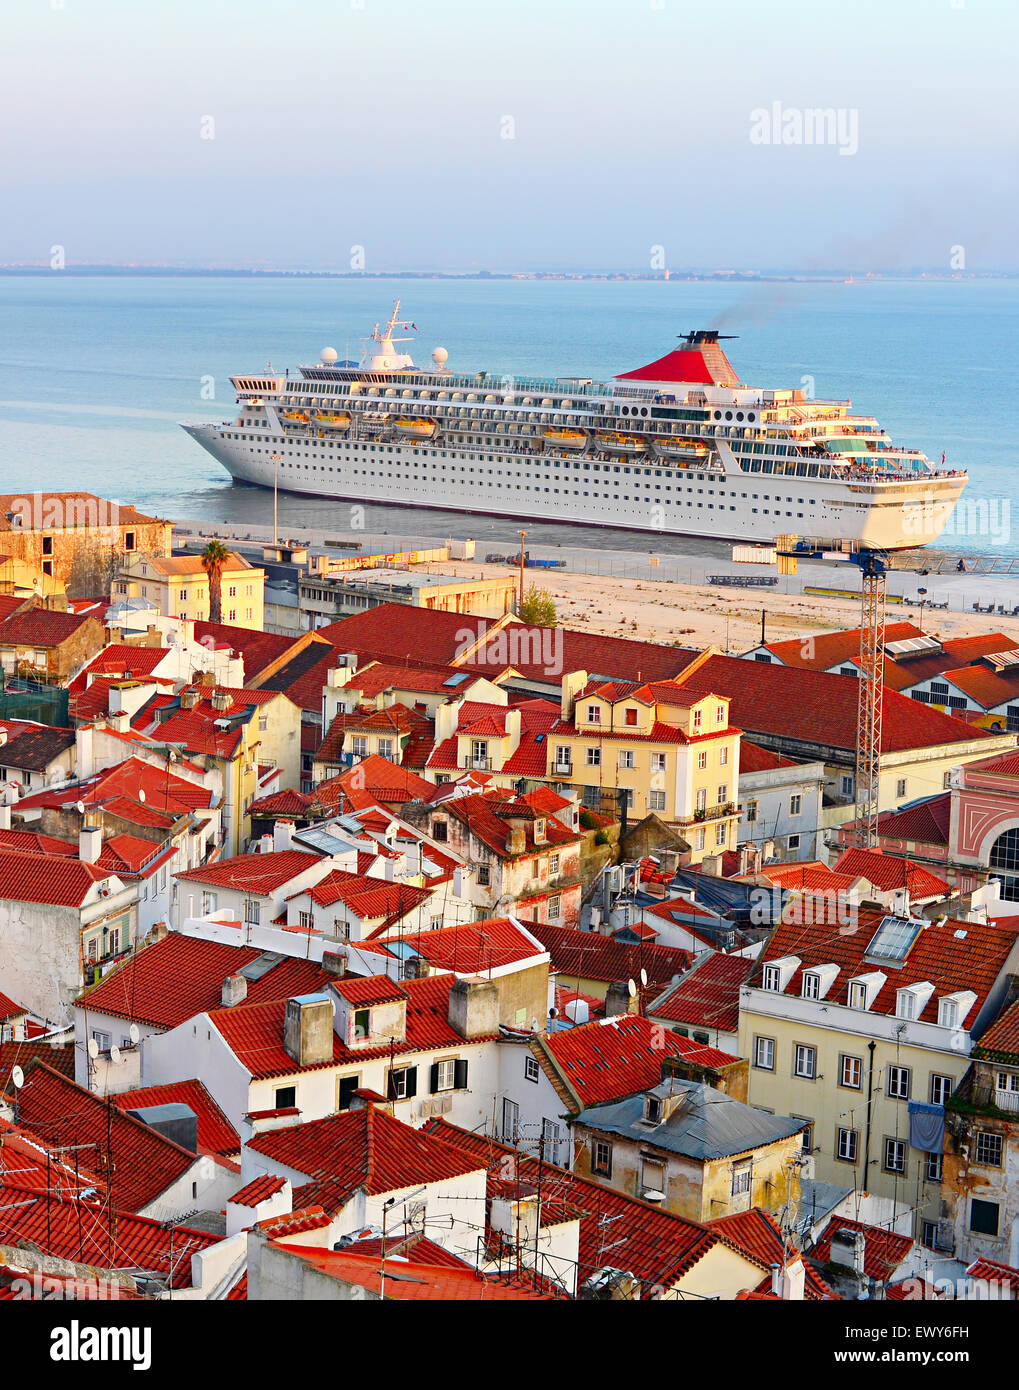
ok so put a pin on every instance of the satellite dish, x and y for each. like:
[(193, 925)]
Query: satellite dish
[(116, 1056), (93, 1048), (79, 806), (141, 795), (643, 977), (18, 1077), (632, 989), (133, 1033)]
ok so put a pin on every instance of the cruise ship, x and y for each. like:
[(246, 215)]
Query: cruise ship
[(680, 446)]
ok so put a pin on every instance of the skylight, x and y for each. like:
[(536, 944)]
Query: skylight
[(261, 965), (895, 938)]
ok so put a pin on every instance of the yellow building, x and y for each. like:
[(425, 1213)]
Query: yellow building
[(672, 751), (846, 1023), (19, 579), (179, 587)]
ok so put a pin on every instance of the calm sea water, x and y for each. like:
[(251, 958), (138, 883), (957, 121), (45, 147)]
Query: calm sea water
[(95, 373)]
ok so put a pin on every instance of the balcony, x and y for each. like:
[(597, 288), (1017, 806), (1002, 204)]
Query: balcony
[(562, 769), (477, 764), (720, 811)]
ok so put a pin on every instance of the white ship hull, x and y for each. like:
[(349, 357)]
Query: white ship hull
[(655, 496)]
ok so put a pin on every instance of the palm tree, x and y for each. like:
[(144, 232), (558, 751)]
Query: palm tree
[(214, 559)]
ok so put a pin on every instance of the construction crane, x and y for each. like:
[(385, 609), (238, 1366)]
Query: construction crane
[(873, 565)]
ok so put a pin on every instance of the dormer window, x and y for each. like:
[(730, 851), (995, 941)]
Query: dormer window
[(653, 1110), (594, 714), (696, 718), (905, 1004), (772, 979), (811, 987), (948, 1013), (865, 989), (776, 975), (630, 717), (720, 715), (857, 995), (954, 1008)]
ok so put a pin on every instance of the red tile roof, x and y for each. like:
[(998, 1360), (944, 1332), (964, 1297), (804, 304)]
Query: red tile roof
[(377, 780), (995, 1272), (473, 947), (811, 707), (708, 996), (36, 749), (409, 1280), (657, 1247), (754, 758), (59, 1112), (167, 796), (121, 661), (370, 899), (925, 822), (1001, 1040), (43, 878), (258, 649), (32, 842), (950, 955), (615, 1057), (366, 1149), (172, 980), (758, 1235), (9, 1010), (883, 1251), (368, 990), (260, 1189), (253, 873), (21, 1054), (486, 815), (41, 627), (988, 688), (821, 650), (888, 872), (254, 1032), (216, 1135), (588, 956)]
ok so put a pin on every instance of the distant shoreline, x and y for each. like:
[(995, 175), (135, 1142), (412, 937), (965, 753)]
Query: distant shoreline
[(609, 276)]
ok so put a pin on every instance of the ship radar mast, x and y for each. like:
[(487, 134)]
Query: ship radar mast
[(382, 350)]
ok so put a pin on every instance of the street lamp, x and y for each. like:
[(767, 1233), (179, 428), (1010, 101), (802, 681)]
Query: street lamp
[(923, 599), (523, 557), (277, 459)]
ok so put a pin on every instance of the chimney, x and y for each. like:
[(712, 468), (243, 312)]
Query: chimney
[(474, 1008), (85, 762), (617, 999), (188, 698), (235, 991), (334, 962), (364, 1099), (282, 835), (119, 721), (90, 843), (220, 700), (5, 817), (308, 1029), (573, 682)]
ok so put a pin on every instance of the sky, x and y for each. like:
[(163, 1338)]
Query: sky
[(456, 135)]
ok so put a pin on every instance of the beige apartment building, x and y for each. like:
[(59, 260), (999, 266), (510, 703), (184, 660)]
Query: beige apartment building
[(179, 587)]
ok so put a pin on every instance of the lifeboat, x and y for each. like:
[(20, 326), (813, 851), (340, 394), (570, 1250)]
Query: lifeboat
[(680, 448), (416, 429), (614, 443), (295, 417), (332, 420), (565, 439)]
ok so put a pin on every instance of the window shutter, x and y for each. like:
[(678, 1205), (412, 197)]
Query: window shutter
[(433, 1077), (412, 1082), (391, 1086), (460, 1076)]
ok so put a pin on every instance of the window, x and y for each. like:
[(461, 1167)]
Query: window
[(793, 841), (929, 1234), (696, 719), (847, 1144), (532, 1071), (659, 762), (847, 785), (934, 1167), (652, 1175), (563, 757), (751, 811), (286, 1097), (723, 794), (905, 1004), (304, 920), (948, 1013), (345, 1093), (795, 802), (702, 799), (439, 831), (555, 907), (479, 750), (209, 901), (484, 875), (897, 1086), (988, 1149), (723, 756), (900, 788), (362, 1023), (702, 760), (742, 1177), (851, 1072), (386, 749), (811, 986), (626, 758), (772, 979), (656, 801), (807, 1137), (941, 1088), (764, 1054), (553, 865), (721, 834), (983, 1217), (805, 1062), (857, 995), (443, 1076), (895, 1155), (698, 841), (359, 746), (719, 714), (403, 1083), (593, 757), (601, 1158), (594, 714), (630, 716)]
